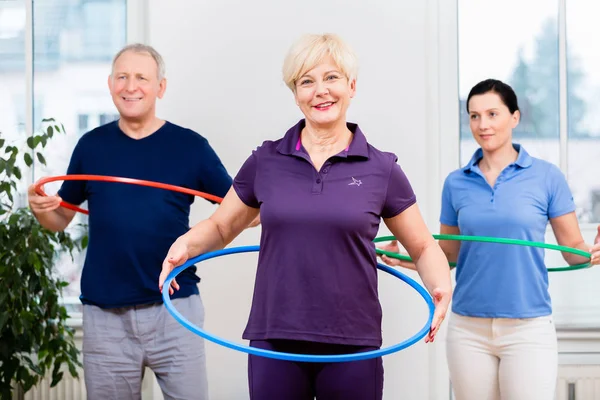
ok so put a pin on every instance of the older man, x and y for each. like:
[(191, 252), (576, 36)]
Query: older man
[(131, 228)]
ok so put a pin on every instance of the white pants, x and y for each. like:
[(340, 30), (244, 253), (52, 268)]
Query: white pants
[(502, 358)]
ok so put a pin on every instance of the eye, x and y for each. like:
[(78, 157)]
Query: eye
[(332, 77), (493, 114), (121, 77), (473, 116), (305, 82)]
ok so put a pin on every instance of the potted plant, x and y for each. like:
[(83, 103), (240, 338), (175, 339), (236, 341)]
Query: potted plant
[(35, 339)]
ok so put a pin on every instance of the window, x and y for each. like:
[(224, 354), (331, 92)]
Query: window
[(83, 123), (70, 54), (106, 118), (583, 96), (523, 54), (74, 42), (546, 50), (12, 69)]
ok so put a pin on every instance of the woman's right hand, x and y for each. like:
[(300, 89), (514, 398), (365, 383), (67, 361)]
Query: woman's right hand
[(177, 255)]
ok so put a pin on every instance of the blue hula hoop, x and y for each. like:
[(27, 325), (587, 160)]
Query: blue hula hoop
[(291, 356)]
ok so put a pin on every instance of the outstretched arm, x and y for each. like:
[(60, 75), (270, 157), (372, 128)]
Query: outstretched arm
[(214, 233), (429, 259)]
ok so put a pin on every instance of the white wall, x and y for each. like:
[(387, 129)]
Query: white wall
[(224, 69)]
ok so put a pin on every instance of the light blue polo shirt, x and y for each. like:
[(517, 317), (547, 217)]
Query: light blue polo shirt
[(498, 280)]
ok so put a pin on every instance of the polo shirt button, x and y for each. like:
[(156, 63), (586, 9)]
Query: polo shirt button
[(325, 170), (318, 181)]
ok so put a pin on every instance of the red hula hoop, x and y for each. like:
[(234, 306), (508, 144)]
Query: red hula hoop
[(101, 178)]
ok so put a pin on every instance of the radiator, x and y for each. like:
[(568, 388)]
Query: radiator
[(68, 388), (578, 382)]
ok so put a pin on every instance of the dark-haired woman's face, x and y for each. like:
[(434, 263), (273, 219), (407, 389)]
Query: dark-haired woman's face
[(491, 121)]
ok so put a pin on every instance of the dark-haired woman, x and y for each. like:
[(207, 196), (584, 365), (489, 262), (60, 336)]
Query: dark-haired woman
[(501, 341)]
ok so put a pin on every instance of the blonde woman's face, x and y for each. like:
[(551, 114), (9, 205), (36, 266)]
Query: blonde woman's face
[(323, 94)]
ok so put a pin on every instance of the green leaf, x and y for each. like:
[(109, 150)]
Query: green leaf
[(56, 378), (48, 120), (41, 158), (73, 370), (3, 318), (32, 321), (84, 242), (28, 160), (50, 131)]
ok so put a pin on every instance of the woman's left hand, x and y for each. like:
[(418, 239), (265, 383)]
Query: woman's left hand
[(441, 299)]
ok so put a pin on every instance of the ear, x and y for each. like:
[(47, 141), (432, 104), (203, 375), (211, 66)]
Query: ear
[(516, 118), (162, 88), (352, 85)]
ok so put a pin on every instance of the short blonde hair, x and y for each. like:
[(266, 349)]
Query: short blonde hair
[(312, 49), (142, 48)]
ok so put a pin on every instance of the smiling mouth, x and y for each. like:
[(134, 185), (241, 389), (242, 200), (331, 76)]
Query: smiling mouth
[(131, 98), (324, 105)]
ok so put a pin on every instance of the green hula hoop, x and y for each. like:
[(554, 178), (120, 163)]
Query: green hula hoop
[(493, 240)]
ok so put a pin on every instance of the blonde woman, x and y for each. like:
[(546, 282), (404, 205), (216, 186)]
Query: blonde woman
[(322, 191)]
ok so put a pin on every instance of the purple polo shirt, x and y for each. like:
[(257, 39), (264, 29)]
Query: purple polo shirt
[(317, 278)]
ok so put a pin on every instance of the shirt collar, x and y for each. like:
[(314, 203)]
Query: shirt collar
[(524, 160), (291, 145)]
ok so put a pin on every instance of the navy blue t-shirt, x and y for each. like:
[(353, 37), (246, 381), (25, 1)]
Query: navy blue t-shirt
[(131, 227)]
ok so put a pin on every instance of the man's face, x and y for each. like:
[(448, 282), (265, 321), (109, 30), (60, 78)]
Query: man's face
[(134, 85)]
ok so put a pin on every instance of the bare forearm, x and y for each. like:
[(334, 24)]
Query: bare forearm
[(54, 220), (432, 266), (573, 259), (203, 237), (407, 264)]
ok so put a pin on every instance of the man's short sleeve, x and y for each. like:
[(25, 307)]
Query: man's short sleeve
[(213, 177), (243, 184), (74, 192)]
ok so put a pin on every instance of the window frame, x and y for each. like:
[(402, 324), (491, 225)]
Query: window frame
[(137, 31)]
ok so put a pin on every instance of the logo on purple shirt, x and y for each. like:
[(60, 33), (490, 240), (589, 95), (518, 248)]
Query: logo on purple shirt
[(356, 182)]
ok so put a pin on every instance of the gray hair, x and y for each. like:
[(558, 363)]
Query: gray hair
[(142, 48)]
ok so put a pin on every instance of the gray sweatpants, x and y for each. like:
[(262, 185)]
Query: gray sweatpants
[(119, 343)]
